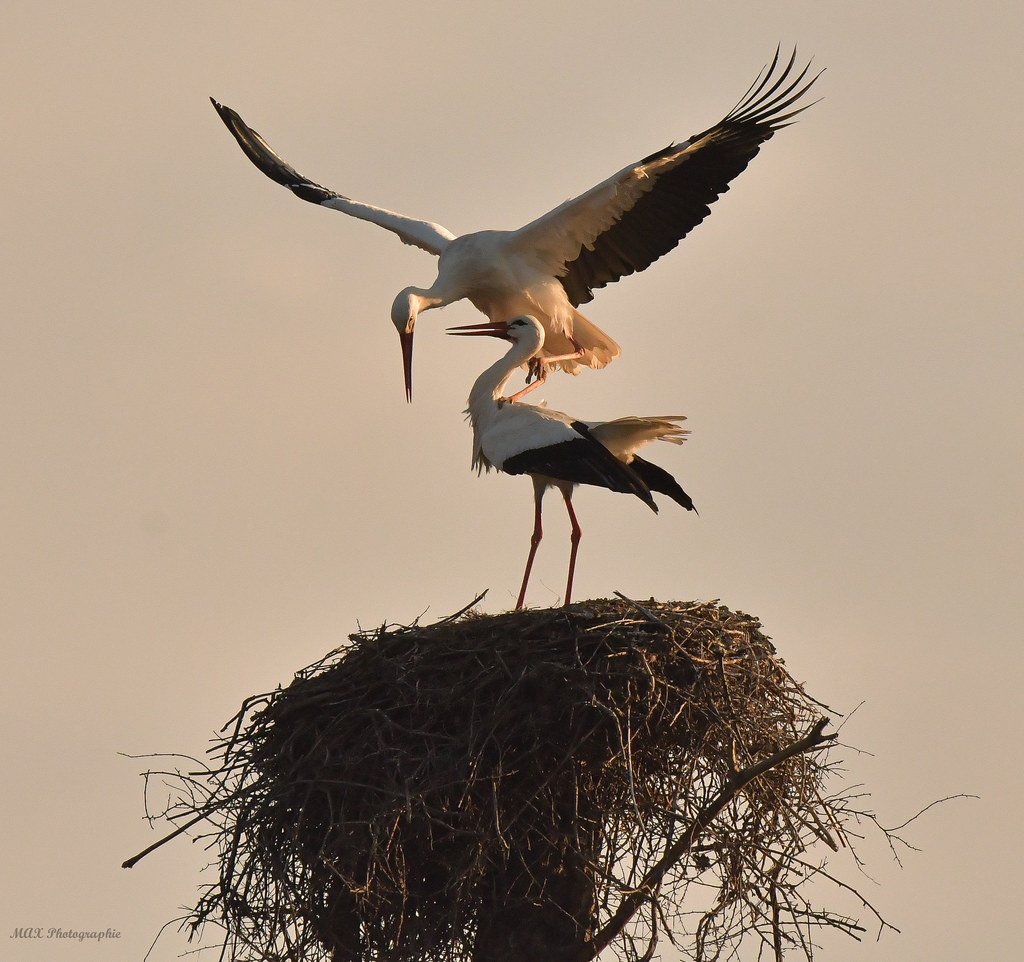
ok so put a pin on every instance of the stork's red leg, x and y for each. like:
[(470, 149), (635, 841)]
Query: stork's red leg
[(538, 496), (577, 353), (574, 540), (532, 386), (542, 369)]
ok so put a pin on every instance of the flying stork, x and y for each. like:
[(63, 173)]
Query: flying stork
[(557, 449), (556, 262)]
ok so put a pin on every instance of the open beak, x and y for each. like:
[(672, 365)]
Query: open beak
[(486, 329), (407, 362)]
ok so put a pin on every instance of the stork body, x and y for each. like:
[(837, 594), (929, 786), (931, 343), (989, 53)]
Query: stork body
[(556, 449), (555, 263)]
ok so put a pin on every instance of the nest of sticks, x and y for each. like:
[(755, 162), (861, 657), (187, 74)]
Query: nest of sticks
[(538, 784)]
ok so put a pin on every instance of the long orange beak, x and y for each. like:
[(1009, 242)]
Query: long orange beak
[(407, 362), (487, 329)]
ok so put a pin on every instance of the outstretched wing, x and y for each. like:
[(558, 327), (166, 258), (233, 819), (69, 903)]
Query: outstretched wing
[(430, 237), (634, 217)]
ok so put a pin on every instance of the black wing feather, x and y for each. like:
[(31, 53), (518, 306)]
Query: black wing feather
[(268, 161), (582, 460), (682, 196), (658, 479)]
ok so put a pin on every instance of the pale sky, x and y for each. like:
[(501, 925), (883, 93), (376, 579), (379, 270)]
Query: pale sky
[(212, 475)]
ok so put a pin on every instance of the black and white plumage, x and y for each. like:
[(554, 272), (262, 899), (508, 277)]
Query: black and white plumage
[(556, 449), (556, 262)]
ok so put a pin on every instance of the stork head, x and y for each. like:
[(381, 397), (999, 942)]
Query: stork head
[(522, 329), (404, 312), (527, 337)]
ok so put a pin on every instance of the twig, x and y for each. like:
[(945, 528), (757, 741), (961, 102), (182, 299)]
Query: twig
[(458, 614), (938, 801), (130, 863), (647, 613)]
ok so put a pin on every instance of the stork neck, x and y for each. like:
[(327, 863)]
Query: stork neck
[(423, 299), (492, 382)]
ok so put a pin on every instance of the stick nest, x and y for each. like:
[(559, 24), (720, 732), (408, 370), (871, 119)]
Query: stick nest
[(539, 784)]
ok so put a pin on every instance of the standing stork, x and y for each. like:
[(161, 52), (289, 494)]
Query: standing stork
[(556, 262), (556, 449)]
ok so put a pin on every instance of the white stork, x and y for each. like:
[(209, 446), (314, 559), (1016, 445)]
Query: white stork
[(554, 264), (556, 449)]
